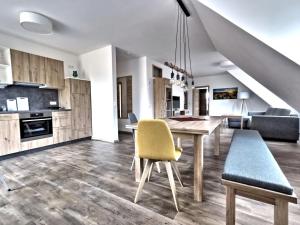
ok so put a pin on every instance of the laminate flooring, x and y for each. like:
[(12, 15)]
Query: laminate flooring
[(89, 182)]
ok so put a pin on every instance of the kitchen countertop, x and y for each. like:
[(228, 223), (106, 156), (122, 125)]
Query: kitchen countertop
[(38, 110)]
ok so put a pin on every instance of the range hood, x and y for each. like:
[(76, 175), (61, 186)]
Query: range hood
[(29, 84)]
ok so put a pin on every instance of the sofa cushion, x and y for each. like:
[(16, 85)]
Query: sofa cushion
[(249, 161), (278, 112)]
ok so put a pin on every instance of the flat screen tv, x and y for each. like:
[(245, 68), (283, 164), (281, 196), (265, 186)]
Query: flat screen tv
[(225, 93), (176, 102)]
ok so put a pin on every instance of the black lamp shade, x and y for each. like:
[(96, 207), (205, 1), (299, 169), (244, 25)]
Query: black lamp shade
[(182, 78), (177, 76)]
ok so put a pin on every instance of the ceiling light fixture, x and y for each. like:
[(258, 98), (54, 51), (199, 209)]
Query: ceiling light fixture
[(35, 23), (182, 48)]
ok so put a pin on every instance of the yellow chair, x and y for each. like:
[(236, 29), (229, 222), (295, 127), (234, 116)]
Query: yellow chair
[(155, 143)]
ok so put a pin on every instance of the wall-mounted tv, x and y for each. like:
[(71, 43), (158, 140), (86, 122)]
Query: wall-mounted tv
[(176, 102), (225, 93)]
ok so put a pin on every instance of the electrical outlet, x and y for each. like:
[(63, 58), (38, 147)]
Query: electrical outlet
[(53, 103)]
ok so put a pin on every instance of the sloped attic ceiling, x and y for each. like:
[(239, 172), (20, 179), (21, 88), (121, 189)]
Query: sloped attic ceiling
[(276, 23), (270, 68)]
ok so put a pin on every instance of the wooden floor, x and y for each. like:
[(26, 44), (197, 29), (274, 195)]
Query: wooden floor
[(90, 183)]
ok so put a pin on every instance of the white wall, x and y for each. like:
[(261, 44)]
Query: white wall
[(229, 106), (99, 66), (71, 61), (260, 90), (136, 68), (142, 86), (277, 73)]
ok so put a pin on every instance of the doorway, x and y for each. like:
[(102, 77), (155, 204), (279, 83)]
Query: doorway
[(201, 101)]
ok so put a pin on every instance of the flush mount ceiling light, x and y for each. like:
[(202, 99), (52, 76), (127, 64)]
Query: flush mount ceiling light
[(35, 22)]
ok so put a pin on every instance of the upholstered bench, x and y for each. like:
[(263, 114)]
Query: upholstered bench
[(251, 171)]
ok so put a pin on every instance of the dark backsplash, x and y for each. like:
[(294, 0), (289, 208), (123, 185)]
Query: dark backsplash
[(38, 97)]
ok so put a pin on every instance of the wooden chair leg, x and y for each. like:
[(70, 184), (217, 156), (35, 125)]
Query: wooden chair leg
[(172, 183), (230, 206), (132, 164), (157, 167), (177, 173), (150, 171), (281, 212), (143, 179)]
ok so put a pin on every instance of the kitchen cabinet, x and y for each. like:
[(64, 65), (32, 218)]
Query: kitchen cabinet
[(37, 71), (162, 90), (30, 68), (77, 96), (9, 134), (36, 143), (20, 66), (62, 126), (54, 73)]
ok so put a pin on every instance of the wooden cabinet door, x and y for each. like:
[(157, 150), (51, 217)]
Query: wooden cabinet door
[(51, 72), (76, 86), (81, 109), (60, 75), (62, 126), (20, 66), (37, 69), (196, 102), (62, 134), (54, 73), (10, 139), (159, 98)]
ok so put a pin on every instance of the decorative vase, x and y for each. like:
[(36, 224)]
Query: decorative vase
[(75, 73)]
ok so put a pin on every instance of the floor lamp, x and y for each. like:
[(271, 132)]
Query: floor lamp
[(243, 95)]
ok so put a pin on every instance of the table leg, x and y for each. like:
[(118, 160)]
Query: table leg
[(242, 123), (217, 141), (138, 165), (198, 167)]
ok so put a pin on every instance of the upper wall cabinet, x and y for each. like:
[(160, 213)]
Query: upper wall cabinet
[(29, 68), (37, 69), (20, 66), (54, 73)]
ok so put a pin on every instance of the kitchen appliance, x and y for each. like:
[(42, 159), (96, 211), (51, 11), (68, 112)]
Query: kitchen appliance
[(35, 125), (11, 104), (22, 103)]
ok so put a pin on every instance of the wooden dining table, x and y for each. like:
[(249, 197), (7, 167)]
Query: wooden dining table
[(189, 127)]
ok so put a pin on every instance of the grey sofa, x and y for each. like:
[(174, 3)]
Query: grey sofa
[(276, 123)]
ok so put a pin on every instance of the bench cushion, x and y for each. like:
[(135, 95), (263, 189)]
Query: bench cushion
[(249, 161)]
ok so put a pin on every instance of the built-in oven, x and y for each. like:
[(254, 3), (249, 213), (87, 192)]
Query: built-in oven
[(35, 125)]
